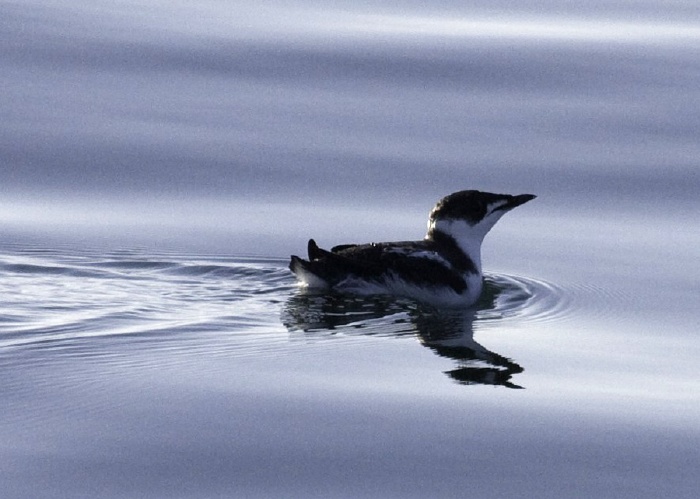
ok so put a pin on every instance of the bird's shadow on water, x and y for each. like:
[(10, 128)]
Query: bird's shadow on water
[(448, 333)]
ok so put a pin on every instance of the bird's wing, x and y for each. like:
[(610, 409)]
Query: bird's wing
[(415, 262), (341, 247)]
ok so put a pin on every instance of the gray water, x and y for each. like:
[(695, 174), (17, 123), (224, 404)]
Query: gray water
[(159, 162)]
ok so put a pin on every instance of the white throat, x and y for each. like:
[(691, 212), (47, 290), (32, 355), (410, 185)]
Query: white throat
[(468, 237)]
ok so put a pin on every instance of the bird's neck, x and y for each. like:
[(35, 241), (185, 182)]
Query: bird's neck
[(461, 241)]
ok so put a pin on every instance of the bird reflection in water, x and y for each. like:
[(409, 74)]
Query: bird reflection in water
[(449, 333)]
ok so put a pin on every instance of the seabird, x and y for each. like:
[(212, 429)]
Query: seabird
[(443, 269)]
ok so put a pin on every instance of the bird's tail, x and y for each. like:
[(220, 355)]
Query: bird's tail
[(308, 273)]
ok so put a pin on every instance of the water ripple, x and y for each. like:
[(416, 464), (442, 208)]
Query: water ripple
[(88, 305), (448, 333), (527, 299), (83, 301)]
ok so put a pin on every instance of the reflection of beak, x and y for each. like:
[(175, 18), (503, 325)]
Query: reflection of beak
[(481, 376)]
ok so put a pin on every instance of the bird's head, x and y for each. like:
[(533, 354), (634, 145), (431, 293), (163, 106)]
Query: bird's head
[(467, 216)]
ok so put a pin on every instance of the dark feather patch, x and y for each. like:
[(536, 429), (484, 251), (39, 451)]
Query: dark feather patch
[(452, 252), (473, 206), (375, 261)]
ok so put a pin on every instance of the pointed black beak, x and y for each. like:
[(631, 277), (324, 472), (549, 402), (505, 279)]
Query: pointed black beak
[(518, 200)]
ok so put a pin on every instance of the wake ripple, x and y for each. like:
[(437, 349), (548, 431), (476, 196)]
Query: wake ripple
[(88, 302)]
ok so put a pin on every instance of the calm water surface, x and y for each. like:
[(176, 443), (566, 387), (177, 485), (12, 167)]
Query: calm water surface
[(160, 161)]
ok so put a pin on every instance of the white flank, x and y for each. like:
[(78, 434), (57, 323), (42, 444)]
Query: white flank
[(310, 280), (393, 284)]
